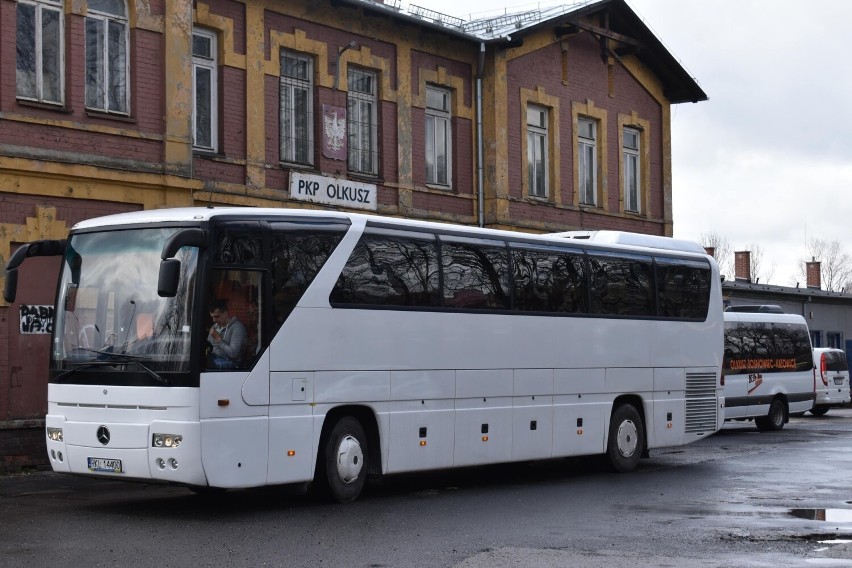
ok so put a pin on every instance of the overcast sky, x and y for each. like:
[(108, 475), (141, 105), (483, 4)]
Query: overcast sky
[(767, 160)]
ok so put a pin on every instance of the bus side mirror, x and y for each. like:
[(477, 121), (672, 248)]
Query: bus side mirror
[(167, 284), (11, 285)]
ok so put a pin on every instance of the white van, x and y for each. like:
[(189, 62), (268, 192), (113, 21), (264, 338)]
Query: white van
[(768, 369), (832, 385)]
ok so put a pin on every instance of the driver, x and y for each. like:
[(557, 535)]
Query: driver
[(227, 336)]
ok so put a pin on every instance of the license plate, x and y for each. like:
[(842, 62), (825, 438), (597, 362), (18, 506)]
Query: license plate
[(838, 380), (107, 465)]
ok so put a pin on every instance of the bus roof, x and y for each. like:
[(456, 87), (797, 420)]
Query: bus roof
[(766, 317), (633, 239), (602, 239)]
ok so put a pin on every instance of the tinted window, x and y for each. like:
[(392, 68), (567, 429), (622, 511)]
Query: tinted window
[(759, 347), (835, 361), (683, 289), (239, 244), (298, 254), (389, 270), (549, 281), (621, 285), (476, 276)]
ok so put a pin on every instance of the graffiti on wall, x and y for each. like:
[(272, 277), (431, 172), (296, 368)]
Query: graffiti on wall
[(36, 319)]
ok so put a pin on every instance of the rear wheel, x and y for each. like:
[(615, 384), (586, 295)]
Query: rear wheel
[(626, 442), (819, 410), (342, 468), (776, 418)]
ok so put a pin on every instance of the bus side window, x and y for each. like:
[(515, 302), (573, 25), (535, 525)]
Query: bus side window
[(298, 254)]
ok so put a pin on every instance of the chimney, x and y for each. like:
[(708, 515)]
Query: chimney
[(710, 251), (812, 269), (742, 265)]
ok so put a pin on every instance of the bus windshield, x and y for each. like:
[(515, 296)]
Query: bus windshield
[(109, 316)]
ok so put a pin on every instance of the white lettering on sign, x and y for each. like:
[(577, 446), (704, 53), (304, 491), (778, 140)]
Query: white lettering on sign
[(332, 191)]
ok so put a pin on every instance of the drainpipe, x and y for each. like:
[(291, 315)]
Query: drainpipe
[(480, 175)]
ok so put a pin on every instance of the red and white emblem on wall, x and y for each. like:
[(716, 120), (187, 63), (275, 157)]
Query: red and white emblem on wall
[(334, 132)]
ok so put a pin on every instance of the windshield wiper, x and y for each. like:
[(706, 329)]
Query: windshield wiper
[(112, 359), (65, 374)]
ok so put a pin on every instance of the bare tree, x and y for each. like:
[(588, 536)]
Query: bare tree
[(723, 252), (835, 264), (758, 269)]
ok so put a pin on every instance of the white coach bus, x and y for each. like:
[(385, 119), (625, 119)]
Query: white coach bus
[(370, 346), (768, 370)]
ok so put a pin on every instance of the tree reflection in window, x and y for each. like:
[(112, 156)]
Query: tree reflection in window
[(390, 271), (297, 257), (549, 281), (683, 289), (475, 276), (621, 286)]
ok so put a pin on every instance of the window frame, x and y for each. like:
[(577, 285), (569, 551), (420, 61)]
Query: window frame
[(40, 6), (357, 102), (435, 117), (288, 142), (211, 64), (538, 132), (587, 180), (106, 19), (632, 170)]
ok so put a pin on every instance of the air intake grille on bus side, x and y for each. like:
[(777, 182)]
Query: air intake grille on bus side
[(701, 404)]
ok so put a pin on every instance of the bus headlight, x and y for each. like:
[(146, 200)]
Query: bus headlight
[(166, 440), (54, 434)]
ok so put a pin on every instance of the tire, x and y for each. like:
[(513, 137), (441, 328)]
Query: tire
[(342, 468), (776, 418), (819, 410), (626, 442)]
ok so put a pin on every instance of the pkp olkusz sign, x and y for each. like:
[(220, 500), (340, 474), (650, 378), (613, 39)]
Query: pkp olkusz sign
[(333, 191)]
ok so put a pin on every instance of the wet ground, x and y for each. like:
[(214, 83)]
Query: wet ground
[(739, 498)]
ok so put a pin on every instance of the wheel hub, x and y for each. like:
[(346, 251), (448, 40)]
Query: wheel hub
[(627, 438), (350, 459)]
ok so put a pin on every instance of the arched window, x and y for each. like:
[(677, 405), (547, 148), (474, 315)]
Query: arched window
[(107, 61)]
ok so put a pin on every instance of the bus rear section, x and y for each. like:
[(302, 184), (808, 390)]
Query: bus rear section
[(768, 369)]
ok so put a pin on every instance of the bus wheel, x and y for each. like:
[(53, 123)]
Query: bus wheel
[(343, 471), (626, 438), (773, 421), (819, 410)]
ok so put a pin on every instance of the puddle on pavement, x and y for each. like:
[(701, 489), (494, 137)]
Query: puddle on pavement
[(827, 515)]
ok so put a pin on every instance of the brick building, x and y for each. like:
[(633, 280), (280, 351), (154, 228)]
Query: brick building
[(541, 121)]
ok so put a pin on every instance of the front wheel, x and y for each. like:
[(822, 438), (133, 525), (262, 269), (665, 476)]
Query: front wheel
[(342, 469), (773, 421), (626, 442)]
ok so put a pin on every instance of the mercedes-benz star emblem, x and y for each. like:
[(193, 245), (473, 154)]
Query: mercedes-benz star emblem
[(103, 435)]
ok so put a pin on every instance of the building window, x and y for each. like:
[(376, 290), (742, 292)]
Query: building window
[(587, 150), (816, 338), (296, 90), (40, 38), (438, 136), (362, 122), (107, 46), (537, 145), (834, 339), (632, 179), (204, 74)]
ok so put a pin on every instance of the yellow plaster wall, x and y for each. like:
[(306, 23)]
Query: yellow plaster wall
[(44, 225)]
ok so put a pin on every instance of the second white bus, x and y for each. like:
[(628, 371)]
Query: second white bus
[(769, 370), (376, 346)]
